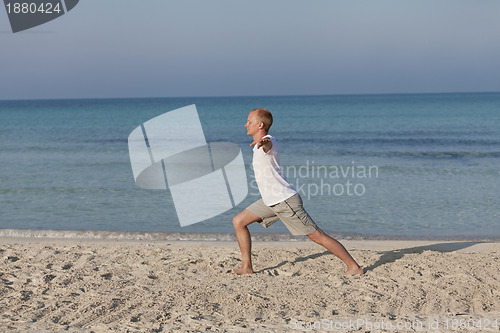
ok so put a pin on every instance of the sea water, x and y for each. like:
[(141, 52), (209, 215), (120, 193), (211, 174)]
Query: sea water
[(390, 166)]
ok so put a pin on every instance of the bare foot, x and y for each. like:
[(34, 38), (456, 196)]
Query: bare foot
[(241, 271), (354, 271)]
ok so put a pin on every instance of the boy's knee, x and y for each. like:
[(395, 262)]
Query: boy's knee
[(237, 221), (243, 219), (316, 236)]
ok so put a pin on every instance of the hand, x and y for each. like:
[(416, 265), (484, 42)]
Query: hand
[(264, 142)]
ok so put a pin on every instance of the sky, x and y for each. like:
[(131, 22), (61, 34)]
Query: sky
[(178, 48)]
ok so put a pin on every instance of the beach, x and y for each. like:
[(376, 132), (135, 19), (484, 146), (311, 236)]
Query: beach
[(90, 285)]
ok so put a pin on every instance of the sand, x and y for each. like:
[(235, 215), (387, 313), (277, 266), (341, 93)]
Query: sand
[(144, 286)]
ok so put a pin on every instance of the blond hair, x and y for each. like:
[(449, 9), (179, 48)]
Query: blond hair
[(264, 115)]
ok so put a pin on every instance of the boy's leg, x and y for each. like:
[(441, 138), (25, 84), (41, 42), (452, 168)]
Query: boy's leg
[(240, 223), (337, 249)]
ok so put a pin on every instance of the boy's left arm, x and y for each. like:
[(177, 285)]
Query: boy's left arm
[(266, 144)]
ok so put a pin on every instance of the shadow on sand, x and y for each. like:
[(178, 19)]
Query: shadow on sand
[(387, 256), (299, 259), (393, 255)]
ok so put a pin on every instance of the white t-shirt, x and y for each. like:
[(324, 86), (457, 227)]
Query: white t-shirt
[(273, 186)]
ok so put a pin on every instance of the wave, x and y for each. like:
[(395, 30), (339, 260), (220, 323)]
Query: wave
[(179, 236), (407, 154), (394, 141), (115, 235), (43, 190), (139, 236), (436, 154)]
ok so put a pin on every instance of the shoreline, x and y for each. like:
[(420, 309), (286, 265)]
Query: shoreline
[(378, 245), (211, 236), (374, 245)]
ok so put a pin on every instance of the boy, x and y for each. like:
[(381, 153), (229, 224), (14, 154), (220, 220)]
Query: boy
[(279, 199)]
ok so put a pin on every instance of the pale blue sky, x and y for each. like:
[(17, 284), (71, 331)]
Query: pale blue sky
[(158, 48)]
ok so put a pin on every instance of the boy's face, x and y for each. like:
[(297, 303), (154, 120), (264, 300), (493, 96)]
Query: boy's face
[(252, 124)]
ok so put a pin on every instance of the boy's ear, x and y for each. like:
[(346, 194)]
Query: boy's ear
[(261, 125)]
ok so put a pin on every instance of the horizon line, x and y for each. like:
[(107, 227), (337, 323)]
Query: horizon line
[(243, 96)]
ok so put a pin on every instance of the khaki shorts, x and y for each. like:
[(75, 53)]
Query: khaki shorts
[(289, 211)]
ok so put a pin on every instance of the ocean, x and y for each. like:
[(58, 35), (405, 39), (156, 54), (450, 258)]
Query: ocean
[(417, 166)]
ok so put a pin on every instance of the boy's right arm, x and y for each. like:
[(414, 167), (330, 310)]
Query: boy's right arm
[(266, 144)]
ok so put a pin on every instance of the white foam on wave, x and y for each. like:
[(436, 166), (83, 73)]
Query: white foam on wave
[(140, 236), (110, 235)]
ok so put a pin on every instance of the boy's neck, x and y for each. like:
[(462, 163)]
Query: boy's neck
[(259, 135)]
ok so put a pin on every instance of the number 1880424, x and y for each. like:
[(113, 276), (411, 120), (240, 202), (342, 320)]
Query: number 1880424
[(32, 8)]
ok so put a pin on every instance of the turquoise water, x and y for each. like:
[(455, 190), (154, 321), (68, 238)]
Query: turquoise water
[(425, 166)]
